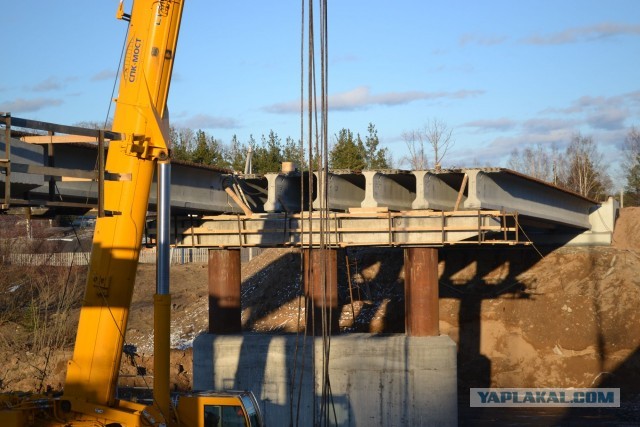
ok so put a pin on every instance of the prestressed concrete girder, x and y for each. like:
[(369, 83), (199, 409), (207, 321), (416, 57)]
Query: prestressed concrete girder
[(194, 189), (502, 189), (435, 190), (197, 189), (345, 190), (602, 218), (394, 190), (287, 192)]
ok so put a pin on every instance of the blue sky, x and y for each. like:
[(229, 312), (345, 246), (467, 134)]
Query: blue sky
[(502, 74)]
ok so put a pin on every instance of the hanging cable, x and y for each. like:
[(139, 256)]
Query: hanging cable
[(115, 80), (317, 185), (113, 91), (327, 407), (293, 381)]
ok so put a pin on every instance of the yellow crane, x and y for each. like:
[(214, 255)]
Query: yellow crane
[(89, 397)]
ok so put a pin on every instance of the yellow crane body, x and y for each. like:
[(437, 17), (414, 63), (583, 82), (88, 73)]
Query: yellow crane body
[(92, 373)]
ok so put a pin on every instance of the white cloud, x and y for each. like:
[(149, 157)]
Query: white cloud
[(488, 125), (608, 119), (21, 105), (547, 125), (483, 40), (106, 74), (601, 112), (206, 121), (361, 98), (586, 33), (49, 84)]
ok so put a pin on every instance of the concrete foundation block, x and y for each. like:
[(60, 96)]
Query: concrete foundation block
[(376, 380)]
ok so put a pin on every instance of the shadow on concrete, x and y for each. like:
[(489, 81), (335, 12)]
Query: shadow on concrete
[(281, 282)]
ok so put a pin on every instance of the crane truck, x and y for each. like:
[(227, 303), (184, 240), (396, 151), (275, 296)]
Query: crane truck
[(89, 397)]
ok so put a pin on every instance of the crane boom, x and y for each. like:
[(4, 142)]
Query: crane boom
[(140, 114)]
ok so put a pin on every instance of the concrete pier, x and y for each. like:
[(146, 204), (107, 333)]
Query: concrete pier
[(376, 380)]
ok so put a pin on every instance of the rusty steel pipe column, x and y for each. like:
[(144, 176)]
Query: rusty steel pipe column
[(421, 292), (224, 291), (321, 294)]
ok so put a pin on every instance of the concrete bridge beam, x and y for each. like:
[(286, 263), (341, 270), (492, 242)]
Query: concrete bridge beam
[(434, 191), (500, 189), (394, 190), (287, 192), (345, 190)]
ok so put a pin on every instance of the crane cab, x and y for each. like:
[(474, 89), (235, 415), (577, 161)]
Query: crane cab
[(219, 409)]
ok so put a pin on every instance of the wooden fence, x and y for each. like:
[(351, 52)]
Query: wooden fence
[(178, 256)]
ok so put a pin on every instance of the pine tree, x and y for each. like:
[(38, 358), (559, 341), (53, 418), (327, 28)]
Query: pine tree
[(267, 156), (376, 158), (293, 152), (348, 152), (180, 140), (236, 155), (207, 150)]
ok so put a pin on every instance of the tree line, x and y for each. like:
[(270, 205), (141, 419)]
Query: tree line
[(580, 167), (348, 151)]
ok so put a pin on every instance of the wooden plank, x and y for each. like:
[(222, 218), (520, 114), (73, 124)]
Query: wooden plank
[(60, 139), (233, 231), (73, 179), (369, 210)]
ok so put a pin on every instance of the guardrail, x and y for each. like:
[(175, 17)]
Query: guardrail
[(66, 259)]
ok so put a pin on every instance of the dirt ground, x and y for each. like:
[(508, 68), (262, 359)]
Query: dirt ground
[(522, 317)]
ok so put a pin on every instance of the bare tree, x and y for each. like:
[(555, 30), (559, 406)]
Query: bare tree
[(538, 161), (585, 173), (631, 167), (436, 136), (440, 137), (417, 157)]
